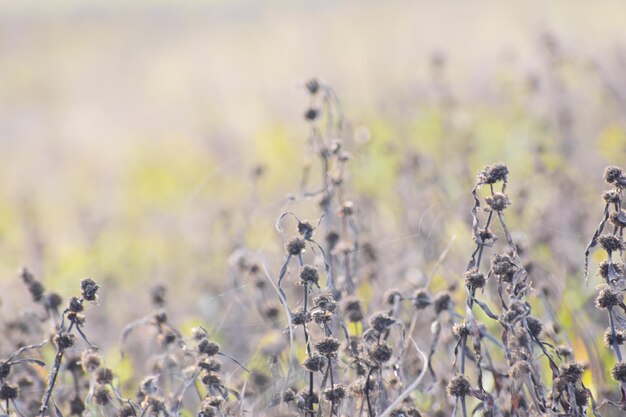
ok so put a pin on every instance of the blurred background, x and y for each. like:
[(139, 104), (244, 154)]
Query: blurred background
[(147, 142)]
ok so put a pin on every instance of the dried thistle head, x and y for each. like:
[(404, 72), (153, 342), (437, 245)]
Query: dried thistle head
[(459, 386), (493, 173)]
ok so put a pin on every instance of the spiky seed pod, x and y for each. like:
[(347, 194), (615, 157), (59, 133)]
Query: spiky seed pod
[(352, 309), (335, 394), (325, 301), (64, 340), (311, 114), (52, 301), (381, 321), (313, 86), (618, 218), (461, 329), (77, 406), (305, 229), (572, 371), (271, 312), (149, 385), (498, 201), (101, 395), (295, 246), (289, 395), (380, 352), (392, 296), (104, 376), (300, 317), (610, 270), (502, 265), (421, 299), (443, 301), (534, 326), (474, 279), (309, 275), (328, 346), (306, 399), (160, 317), (612, 174), (611, 243), (211, 379), (493, 173), (321, 316), (206, 347), (90, 360), (8, 392), (89, 289), (5, 370), (564, 351), (75, 305), (581, 395), (209, 365), (459, 386), (619, 371), (608, 299), (611, 196), (610, 339), (314, 363)]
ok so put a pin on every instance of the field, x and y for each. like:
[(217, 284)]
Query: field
[(357, 208)]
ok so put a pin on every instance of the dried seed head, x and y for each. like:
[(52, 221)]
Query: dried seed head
[(77, 406), (380, 352), (611, 270), (8, 392), (611, 338), (296, 246), (498, 201), (211, 379), (299, 317), (90, 360), (572, 371), (157, 295), (5, 369), (321, 316), (89, 289), (611, 243), (313, 86), (352, 309), (305, 229), (335, 394), (618, 218), (613, 174), (102, 396), (582, 396), (493, 173), (309, 275), (502, 265), (271, 312), (206, 347), (347, 209), (149, 385), (64, 340), (325, 301), (393, 296), (461, 329), (311, 114), (76, 318), (534, 326), (619, 371), (328, 346), (381, 322), (289, 395), (75, 305), (314, 362), (306, 399), (52, 301), (564, 351), (608, 299), (443, 301), (474, 279), (459, 386), (421, 299), (209, 365), (612, 196), (332, 238), (104, 376)]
